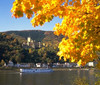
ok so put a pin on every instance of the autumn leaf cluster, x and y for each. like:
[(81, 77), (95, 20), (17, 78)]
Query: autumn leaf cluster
[(80, 23)]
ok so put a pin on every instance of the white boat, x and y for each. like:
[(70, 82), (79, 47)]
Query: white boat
[(35, 70)]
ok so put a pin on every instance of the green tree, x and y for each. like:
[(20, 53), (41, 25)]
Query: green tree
[(2, 62)]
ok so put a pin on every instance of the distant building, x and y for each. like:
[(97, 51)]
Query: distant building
[(38, 64), (44, 65), (91, 64), (66, 65), (24, 65), (10, 64), (39, 44), (29, 39), (31, 43)]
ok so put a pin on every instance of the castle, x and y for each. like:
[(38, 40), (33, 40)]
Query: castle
[(31, 43)]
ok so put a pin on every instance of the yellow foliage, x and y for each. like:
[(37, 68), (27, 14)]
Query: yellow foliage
[(80, 23)]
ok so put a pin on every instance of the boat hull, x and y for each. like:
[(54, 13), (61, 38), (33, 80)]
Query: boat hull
[(35, 70)]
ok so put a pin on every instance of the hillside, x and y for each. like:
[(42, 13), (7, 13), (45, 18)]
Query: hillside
[(9, 47), (46, 37), (34, 34), (11, 50)]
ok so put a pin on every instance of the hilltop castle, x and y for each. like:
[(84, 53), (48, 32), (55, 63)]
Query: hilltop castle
[(31, 43)]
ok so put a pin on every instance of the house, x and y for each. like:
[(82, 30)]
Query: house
[(90, 64), (66, 65), (56, 65), (44, 65), (24, 65), (10, 64), (17, 65), (73, 64), (38, 65)]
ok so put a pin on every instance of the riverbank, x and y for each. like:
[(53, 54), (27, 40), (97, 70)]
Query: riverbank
[(70, 69), (9, 68), (55, 69)]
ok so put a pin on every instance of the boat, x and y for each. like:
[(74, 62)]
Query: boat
[(34, 70)]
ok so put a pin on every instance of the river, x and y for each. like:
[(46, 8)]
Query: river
[(67, 77)]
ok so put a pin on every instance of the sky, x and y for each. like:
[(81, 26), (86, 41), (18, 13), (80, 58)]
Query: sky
[(7, 23)]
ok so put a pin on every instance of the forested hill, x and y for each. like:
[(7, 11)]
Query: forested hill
[(46, 37), (37, 35), (9, 48)]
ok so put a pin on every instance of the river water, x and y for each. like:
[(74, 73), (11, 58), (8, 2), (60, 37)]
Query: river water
[(54, 78)]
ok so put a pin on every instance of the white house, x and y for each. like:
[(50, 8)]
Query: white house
[(38, 64), (90, 64)]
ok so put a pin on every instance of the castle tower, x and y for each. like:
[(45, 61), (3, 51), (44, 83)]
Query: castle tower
[(33, 45), (39, 44), (29, 39)]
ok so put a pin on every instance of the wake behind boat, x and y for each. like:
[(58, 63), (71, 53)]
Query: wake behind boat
[(34, 70)]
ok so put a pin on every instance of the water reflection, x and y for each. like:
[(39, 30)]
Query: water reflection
[(54, 78), (91, 77)]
